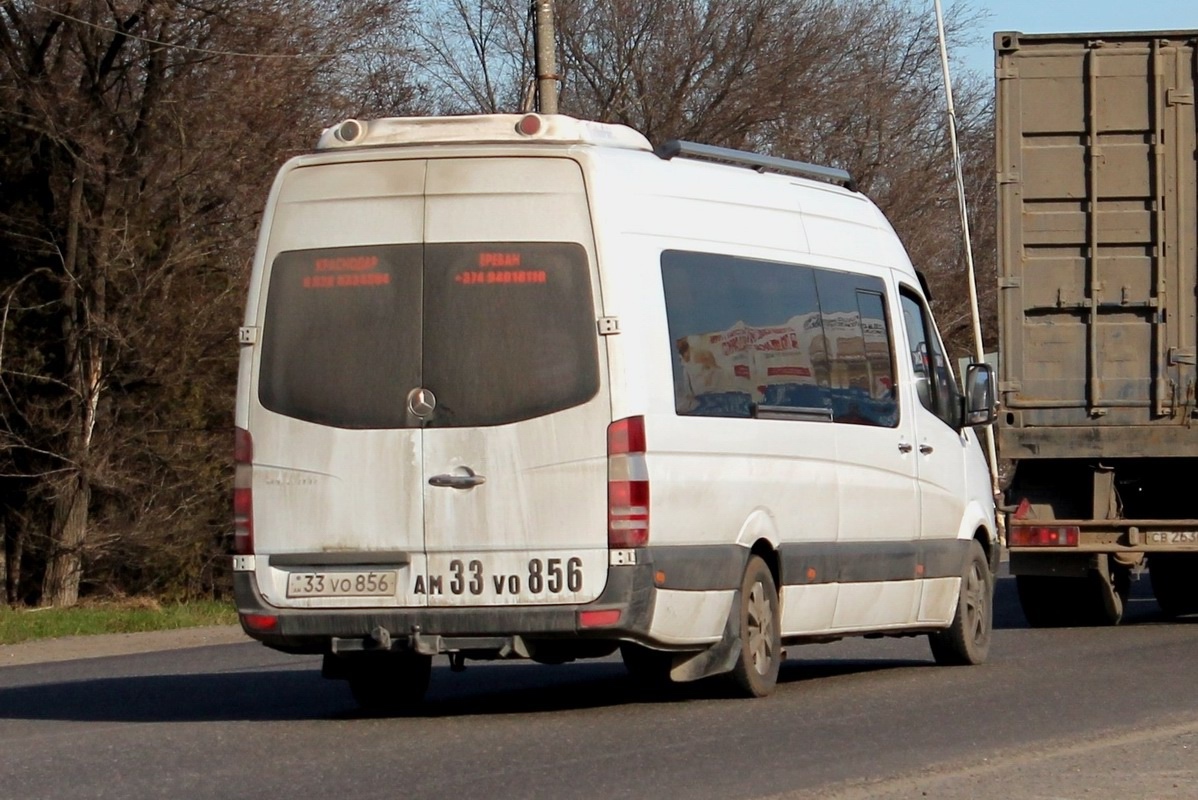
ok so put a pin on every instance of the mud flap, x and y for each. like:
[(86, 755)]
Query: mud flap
[(1112, 601), (716, 659)]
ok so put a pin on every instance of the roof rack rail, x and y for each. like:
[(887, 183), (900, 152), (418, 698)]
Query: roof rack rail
[(742, 158)]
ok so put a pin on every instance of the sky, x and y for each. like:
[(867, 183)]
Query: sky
[(1062, 16)]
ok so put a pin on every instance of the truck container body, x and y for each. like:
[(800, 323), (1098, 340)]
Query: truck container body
[(1098, 271)]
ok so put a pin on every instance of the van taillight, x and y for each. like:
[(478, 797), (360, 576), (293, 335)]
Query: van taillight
[(627, 484), (243, 501)]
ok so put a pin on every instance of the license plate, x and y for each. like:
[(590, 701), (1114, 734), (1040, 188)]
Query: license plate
[(378, 583), (1172, 537)]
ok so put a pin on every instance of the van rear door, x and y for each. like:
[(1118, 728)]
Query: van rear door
[(515, 491), (430, 400), (337, 486)]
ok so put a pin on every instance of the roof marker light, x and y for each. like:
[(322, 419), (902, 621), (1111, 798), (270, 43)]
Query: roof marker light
[(529, 125), (349, 130)]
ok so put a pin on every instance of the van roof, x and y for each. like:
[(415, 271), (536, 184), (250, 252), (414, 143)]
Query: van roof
[(551, 129), (479, 129)]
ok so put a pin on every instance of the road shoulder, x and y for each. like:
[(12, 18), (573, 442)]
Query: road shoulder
[(70, 648)]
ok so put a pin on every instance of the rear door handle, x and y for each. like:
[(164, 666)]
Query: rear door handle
[(926, 448), (468, 480)]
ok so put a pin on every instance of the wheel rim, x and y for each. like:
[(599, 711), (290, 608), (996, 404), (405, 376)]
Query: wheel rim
[(975, 594), (760, 628)]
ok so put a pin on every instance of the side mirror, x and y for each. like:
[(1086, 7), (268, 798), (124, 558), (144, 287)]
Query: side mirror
[(979, 400)]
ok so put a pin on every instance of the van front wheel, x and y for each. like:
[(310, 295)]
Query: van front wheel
[(967, 640), (760, 656)]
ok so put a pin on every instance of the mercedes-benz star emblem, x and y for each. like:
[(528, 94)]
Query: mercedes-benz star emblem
[(421, 402)]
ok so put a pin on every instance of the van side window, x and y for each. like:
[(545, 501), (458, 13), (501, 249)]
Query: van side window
[(762, 337), (744, 332), (858, 347), (934, 383)]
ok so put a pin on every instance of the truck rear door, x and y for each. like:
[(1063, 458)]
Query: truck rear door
[(1096, 140)]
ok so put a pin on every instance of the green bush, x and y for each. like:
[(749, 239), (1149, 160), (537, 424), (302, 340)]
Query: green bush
[(130, 616)]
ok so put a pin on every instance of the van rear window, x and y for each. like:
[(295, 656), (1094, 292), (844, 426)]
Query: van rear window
[(498, 332), (509, 331)]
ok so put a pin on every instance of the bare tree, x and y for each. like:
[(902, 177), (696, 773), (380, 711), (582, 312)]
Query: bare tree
[(476, 55), (851, 83), (886, 124), (140, 136)]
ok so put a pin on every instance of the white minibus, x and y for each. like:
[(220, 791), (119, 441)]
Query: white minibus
[(526, 386)]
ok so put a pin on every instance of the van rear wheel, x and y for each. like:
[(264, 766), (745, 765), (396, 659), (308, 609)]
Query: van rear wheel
[(760, 656), (389, 683), (967, 640), (646, 666)]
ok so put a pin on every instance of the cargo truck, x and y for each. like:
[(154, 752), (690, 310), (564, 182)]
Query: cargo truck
[(1097, 272)]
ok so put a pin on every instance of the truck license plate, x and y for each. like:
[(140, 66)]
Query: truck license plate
[(380, 583), (1172, 537)]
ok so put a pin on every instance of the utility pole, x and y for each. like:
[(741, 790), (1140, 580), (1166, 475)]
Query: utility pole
[(975, 317), (546, 59)]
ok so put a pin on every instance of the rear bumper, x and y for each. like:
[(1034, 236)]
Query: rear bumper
[(631, 590), (1113, 536)]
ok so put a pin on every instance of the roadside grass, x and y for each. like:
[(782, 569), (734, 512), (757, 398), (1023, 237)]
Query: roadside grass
[(120, 616)]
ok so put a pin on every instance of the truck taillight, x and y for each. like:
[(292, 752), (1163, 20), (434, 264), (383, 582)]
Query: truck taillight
[(627, 484), (243, 500), (1043, 536)]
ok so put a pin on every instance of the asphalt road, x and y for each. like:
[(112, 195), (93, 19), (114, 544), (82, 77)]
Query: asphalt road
[(1093, 713)]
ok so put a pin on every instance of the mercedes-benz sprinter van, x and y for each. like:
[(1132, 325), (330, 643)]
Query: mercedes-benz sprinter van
[(524, 386)]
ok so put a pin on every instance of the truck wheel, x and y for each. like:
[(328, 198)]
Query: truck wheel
[(1113, 590), (1174, 582), (760, 656), (1049, 602), (389, 683), (1054, 602), (967, 640), (646, 666)]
